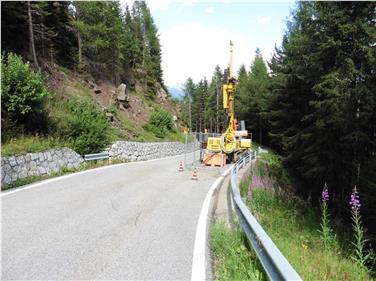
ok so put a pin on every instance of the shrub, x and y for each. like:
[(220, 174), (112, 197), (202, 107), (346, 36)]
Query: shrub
[(85, 127), (23, 96), (160, 123)]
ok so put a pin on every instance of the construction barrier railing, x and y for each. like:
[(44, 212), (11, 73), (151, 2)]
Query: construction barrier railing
[(274, 263)]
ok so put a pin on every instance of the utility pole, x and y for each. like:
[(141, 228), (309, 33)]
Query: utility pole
[(190, 109), (216, 84)]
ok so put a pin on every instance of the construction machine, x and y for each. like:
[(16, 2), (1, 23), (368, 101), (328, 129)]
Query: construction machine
[(232, 142)]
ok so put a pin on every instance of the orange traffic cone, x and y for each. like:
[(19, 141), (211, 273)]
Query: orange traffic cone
[(181, 169), (195, 175)]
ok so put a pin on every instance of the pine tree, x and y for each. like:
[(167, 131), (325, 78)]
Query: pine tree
[(253, 97), (323, 111), (215, 102), (100, 26), (189, 89)]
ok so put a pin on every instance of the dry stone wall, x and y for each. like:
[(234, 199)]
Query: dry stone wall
[(38, 164), (45, 163), (137, 151)]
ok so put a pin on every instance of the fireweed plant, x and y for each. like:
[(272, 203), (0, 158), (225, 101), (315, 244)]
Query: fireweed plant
[(326, 231), (359, 244)]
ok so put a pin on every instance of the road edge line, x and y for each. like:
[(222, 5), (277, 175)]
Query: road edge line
[(199, 249)]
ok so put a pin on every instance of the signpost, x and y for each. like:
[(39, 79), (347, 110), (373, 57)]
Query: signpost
[(186, 146)]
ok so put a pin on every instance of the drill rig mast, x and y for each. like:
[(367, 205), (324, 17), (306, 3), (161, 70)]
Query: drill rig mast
[(228, 143), (231, 143)]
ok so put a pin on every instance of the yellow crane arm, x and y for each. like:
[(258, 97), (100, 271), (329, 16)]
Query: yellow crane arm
[(228, 142)]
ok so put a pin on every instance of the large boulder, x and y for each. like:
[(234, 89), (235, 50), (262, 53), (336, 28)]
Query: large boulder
[(122, 97), (162, 95), (121, 93)]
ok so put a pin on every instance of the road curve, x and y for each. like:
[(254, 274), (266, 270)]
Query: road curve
[(131, 221)]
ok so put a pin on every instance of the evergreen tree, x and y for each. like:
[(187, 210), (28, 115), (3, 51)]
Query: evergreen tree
[(189, 89), (216, 112), (323, 111), (253, 97), (100, 26), (243, 98)]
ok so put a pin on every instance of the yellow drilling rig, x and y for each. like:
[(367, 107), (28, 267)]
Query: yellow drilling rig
[(232, 142)]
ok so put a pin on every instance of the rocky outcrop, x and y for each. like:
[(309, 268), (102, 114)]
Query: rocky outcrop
[(161, 94), (122, 97), (38, 164), (121, 92)]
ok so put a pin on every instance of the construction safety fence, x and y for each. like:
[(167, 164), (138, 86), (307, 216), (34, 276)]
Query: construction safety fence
[(199, 140)]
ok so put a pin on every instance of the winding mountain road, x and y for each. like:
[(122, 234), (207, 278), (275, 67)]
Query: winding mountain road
[(127, 221)]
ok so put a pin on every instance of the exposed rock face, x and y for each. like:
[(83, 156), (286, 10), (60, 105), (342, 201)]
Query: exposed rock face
[(91, 84), (162, 95), (38, 164), (121, 92), (110, 116), (97, 90), (122, 97)]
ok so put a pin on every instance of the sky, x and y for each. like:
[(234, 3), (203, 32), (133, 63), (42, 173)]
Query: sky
[(195, 35)]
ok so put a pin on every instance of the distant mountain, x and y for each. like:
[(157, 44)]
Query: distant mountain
[(176, 92)]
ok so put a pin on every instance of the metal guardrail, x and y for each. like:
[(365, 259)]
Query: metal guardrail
[(96, 156), (274, 263)]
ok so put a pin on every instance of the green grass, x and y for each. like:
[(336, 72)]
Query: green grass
[(27, 144), (233, 260), (77, 91), (64, 69), (63, 171), (294, 227)]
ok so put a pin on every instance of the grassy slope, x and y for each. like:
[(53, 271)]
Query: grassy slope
[(294, 227), (127, 130), (232, 259)]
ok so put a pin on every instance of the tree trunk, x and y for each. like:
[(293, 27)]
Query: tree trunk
[(79, 40), (31, 33)]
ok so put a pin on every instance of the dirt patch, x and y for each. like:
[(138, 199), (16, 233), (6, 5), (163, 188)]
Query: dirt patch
[(67, 84)]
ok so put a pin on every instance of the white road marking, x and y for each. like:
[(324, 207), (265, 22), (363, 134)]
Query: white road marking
[(199, 262), (33, 185)]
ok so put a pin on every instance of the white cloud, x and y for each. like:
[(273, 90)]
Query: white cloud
[(210, 10), (123, 3), (154, 5), (264, 20), (189, 2), (193, 50)]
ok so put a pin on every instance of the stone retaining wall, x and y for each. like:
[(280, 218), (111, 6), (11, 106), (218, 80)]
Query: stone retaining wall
[(137, 151), (38, 164), (45, 163)]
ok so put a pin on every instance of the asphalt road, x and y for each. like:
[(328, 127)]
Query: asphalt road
[(133, 221)]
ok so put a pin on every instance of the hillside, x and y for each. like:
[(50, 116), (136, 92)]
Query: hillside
[(82, 75), (127, 110)]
